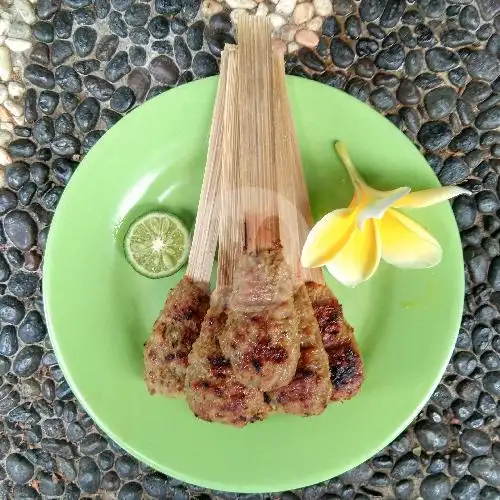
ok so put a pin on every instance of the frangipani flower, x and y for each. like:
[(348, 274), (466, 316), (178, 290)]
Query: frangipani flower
[(351, 241)]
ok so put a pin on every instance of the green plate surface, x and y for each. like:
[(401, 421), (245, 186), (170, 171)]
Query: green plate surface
[(100, 311)]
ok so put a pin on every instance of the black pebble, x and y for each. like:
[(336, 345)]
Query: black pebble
[(441, 59), (341, 53), (139, 36), (47, 8), (117, 24), (84, 16), (137, 55), (65, 145), (121, 5), (39, 173), (194, 35), (32, 328), (43, 130), (61, 51), (102, 8), (159, 27), (137, 14), (84, 40), (98, 87), (23, 148), (40, 54), (23, 285), (358, 88), (122, 99), (310, 59), (89, 476), (168, 7), (87, 114), (69, 101), (63, 124), (106, 47), (117, 67), (8, 344), (216, 42), (48, 101), (182, 53), (162, 47), (164, 70), (26, 193), (110, 117), (39, 76), (435, 135), (63, 23), (391, 58), (17, 174), (30, 112), (63, 169), (86, 66), (91, 139)]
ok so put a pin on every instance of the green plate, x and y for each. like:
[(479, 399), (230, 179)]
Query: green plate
[(100, 311)]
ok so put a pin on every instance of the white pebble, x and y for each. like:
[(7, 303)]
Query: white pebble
[(278, 45), (323, 7), (5, 116), (285, 7), (307, 38), (18, 45), (25, 10), (5, 64), (19, 30), (288, 32), (210, 7), (4, 26), (241, 4), (5, 14), (7, 125), (13, 108), (262, 10), (276, 21), (235, 14), (16, 90), (18, 120), (292, 47), (5, 138), (3, 93), (303, 13), (315, 23), (275, 1), (5, 158)]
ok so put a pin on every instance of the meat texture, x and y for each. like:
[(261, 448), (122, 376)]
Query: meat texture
[(212, 390), (310, 389), (174, 332), (261, 334), (344, 356)]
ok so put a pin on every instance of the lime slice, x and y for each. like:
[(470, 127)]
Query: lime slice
[(157, 244)]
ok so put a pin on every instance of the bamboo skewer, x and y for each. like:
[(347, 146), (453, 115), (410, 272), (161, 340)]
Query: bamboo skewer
[(256, 132), (178, 325), (204, 241)]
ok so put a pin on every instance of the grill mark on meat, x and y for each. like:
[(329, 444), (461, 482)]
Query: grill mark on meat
[(343, 366), (174, 332), (344, 356), (329, 317), (212, 391), (261, 335), (309, 391)]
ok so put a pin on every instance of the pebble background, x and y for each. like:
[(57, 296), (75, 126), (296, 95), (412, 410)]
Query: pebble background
[(431, 66)]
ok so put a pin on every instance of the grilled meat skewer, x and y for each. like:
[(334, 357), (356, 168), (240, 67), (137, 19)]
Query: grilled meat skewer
[(212, 390), (178, 326)]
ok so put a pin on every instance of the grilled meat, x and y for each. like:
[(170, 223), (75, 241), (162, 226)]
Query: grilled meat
[(261, 334), (344, 356), (174, 332), (212, 390), (310, 389)]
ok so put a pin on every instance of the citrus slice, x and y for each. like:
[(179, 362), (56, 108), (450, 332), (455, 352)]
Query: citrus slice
[(157, 244)]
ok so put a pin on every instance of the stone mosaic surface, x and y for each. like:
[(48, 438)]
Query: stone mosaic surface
[(431, 66)]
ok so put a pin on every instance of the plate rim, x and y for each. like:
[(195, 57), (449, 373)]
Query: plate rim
[(170, 471)]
